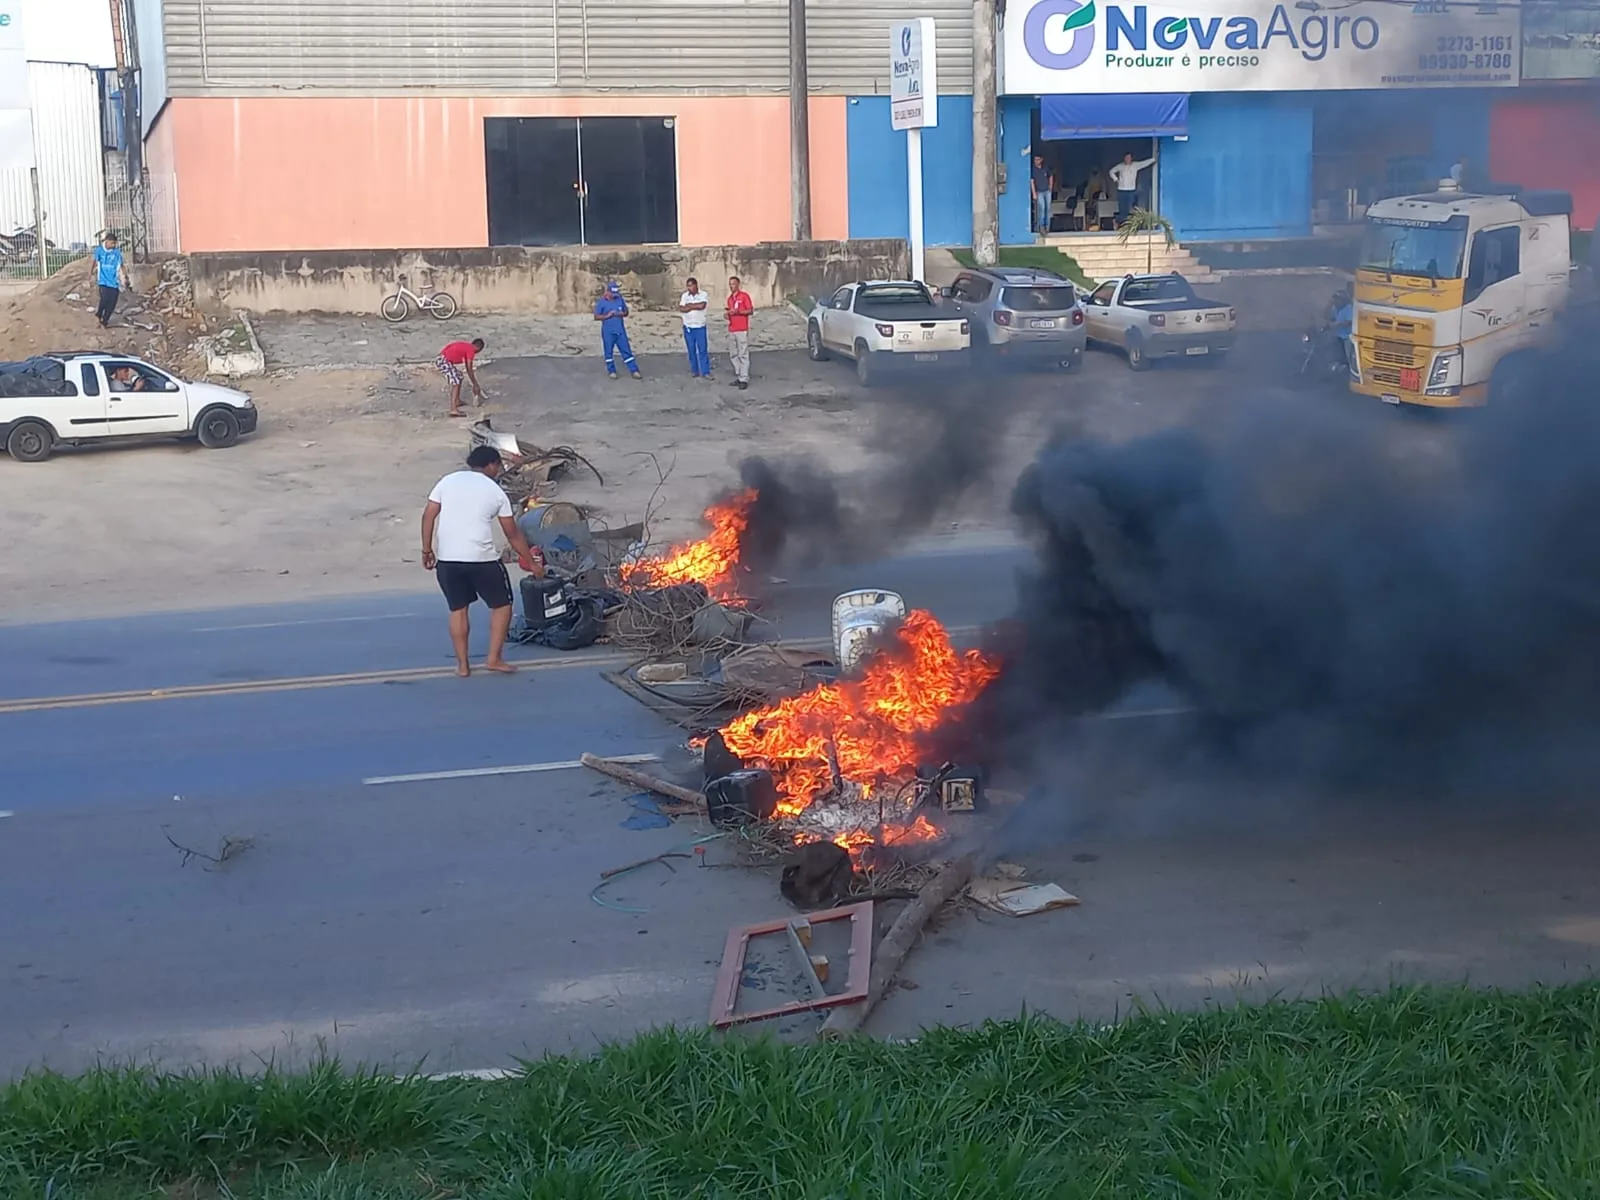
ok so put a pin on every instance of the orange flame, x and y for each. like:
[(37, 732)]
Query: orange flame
[(713, 561), (870, 725)]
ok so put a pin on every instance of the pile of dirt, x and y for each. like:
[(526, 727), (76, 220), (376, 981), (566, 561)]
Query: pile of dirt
[(158, 323)]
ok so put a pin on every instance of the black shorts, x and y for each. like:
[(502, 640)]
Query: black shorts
[(464, 582)]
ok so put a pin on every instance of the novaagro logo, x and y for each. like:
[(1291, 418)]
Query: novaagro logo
[(1079, 22), (1313, 37)]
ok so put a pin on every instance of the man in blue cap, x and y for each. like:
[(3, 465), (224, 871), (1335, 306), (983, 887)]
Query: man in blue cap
[(611, 310)]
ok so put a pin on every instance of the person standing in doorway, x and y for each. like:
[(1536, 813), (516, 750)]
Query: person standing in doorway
[(111, 274), (1125, 176), (693, 305), (452, 361), (611, 310), (1041, 185), (740, 307), (458, 546)]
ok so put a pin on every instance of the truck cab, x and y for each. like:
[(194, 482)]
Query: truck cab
[(1449, 284)]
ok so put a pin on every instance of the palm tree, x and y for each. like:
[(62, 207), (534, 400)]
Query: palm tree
[(1142, 220)]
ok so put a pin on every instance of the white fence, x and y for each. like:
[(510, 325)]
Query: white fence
[(66, 188)]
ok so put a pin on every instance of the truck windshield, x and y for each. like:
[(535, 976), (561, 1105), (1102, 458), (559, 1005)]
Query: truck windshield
[(1431, 250), (1037, 299)]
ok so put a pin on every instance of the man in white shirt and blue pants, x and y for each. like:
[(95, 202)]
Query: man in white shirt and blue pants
[(692, 305), (1125, 178)]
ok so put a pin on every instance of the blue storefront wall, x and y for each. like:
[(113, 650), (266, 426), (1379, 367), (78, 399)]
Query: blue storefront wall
[(1245, 170), (1014, 146), (877, 165)]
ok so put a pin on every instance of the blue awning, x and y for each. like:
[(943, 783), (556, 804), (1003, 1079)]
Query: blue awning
[(1113, 116)]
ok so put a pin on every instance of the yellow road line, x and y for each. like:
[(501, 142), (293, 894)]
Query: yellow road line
[(294, 684), (307, 683)]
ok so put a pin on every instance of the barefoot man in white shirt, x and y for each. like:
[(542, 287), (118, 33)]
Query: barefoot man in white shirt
[(458, 546)]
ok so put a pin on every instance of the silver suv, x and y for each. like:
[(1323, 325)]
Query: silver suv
[(1022, 313)]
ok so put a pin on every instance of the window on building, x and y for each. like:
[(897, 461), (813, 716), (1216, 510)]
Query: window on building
[(593, 181)]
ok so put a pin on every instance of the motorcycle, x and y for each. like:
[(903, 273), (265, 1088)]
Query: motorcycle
[(1326, 354)]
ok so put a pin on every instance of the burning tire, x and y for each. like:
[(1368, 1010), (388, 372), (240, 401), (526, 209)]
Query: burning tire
[(815, 350)]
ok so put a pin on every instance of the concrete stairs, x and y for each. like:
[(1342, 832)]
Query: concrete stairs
[(1105, 256)]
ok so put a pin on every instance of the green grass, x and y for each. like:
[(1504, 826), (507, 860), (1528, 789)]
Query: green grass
[(1046, 258), (1415, 1093)]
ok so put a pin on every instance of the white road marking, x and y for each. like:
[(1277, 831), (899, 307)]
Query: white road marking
[(517, 769), (311, 621)]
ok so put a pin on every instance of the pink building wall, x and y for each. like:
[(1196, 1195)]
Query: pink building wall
[(304, 173)]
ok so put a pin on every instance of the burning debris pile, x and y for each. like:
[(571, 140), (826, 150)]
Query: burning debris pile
[(845, 762), (713, 563)]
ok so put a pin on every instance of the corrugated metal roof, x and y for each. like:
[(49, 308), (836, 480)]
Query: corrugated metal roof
[(216, 47)]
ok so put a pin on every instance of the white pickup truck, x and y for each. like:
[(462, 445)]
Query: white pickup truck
[(1158, 316), (887, 325), (75, 398)]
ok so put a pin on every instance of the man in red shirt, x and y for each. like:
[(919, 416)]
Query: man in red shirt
[(740, 306), (452, 360)]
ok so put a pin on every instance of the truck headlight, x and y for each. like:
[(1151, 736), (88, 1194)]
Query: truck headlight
[(1446, 370)]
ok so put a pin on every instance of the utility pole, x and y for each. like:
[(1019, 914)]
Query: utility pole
[(799, 125), (985, 209)]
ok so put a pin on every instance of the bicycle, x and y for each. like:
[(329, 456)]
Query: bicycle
[(396, 308)]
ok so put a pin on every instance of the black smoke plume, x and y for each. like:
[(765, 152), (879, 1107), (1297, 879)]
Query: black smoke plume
[(1339, 592), (932, 448)]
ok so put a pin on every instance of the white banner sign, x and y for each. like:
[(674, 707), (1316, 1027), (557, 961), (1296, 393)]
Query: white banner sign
[(1055, 47), (913, 75), (16, 124), (13, 57)]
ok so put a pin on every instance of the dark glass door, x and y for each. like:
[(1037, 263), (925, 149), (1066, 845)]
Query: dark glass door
[(535, 197), (630, 177)]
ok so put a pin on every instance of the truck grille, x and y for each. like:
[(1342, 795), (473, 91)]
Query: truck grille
[(1395, 354), (1388, 375)]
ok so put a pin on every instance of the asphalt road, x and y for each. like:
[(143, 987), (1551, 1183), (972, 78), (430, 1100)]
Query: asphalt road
[(447, 921)]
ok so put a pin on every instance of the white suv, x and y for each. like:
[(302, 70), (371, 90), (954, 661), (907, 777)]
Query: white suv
[(77, 397)]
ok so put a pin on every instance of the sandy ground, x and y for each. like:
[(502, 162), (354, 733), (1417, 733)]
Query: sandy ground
[(324, 499)]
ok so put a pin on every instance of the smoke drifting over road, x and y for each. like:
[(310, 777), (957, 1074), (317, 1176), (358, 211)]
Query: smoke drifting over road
[(1332, 608), (935, 446)]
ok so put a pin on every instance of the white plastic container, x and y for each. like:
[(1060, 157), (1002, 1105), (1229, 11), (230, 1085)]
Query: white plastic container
[(859, 617)]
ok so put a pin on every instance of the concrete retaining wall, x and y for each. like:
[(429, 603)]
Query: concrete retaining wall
[(536, 281)]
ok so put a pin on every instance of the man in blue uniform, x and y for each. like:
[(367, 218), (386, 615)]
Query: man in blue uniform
[(611, 310)]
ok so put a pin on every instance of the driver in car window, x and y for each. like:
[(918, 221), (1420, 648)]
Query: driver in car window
[(126, 379)]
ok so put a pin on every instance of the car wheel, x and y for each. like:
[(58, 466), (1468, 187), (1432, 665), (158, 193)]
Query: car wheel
[(815, 350), (866, 373), (1138, 360), (217, 429), (30, 441)]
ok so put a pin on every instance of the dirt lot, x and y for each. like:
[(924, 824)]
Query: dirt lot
[(324, 499)]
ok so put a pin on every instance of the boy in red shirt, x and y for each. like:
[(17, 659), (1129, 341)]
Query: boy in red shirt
[(740, 306), (452, 360)]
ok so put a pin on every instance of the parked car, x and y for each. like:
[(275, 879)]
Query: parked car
[(887, 325), (1158, 316), (1022, 313), (75, 398)]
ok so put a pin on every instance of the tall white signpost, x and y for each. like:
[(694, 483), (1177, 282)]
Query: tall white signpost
[(913, 106)]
